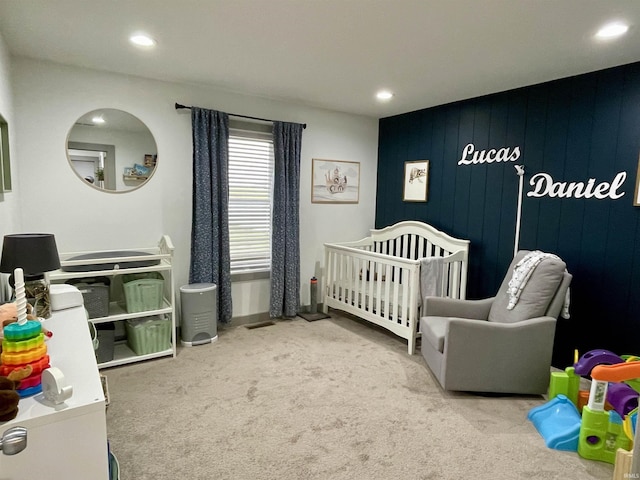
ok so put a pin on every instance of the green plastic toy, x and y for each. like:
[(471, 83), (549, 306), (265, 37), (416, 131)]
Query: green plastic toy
[(565, 383)]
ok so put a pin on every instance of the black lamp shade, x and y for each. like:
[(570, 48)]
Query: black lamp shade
[(35, 253)]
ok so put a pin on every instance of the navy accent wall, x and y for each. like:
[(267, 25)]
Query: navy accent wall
[(573, 129)]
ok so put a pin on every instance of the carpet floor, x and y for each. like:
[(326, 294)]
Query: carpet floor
[(332, 399)]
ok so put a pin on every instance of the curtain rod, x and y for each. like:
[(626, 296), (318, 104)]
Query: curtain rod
[(179, 106)]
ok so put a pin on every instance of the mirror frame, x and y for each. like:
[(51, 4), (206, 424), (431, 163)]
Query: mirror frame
[(110, 149)]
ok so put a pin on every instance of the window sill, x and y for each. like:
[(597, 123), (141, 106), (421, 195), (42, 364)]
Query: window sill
[(248, 276)]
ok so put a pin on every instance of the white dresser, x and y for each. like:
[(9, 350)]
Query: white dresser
[(67, 441)]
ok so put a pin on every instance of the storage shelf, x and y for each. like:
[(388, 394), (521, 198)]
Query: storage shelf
[(117, 311), (123, 355)]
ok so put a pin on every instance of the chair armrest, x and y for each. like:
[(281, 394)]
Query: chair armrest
[(452, 307), (499, 357), (492, 344)]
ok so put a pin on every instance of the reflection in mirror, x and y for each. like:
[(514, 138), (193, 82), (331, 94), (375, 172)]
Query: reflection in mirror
[(111, 150)]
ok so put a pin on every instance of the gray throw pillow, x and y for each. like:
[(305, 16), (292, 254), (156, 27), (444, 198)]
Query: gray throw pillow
[(537, 294)]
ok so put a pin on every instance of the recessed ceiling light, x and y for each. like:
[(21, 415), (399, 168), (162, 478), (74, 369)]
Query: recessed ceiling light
[(612, 30), (384, 95), (98, 120), (142, 40)]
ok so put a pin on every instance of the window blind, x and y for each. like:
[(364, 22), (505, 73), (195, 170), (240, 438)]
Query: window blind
[(250, 195)]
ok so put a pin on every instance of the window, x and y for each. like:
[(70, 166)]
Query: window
[(250, 195)]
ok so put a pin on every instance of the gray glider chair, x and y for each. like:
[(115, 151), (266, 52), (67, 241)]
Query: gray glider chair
[(482, 346)]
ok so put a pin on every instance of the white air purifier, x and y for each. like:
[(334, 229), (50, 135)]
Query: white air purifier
[(199, 314)]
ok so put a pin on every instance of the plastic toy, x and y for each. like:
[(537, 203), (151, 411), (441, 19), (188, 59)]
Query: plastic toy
[(25, 356), (23, 343), (623, 398), (566, 383), (558, 422), (598, 433), (629, 423), (601, 433), (36, 367), (593, 358)]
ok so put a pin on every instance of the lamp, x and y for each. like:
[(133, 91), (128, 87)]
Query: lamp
[(35, 253)]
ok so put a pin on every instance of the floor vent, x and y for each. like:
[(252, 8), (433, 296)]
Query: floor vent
[(251, 326)]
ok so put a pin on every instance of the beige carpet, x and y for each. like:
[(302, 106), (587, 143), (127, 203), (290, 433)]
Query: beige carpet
[(332, 399)]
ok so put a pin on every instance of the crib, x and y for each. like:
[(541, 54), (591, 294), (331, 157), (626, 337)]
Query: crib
[(378, 278)]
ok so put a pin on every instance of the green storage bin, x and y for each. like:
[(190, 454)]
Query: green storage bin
[(148, 335), (130, 277), (143, 294)]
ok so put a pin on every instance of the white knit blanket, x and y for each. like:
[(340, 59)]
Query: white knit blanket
[(521, 274)]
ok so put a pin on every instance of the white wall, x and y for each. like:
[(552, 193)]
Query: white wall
[(48, 98), (9, 222)]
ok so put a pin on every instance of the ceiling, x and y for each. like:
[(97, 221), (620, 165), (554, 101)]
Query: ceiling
[(332, 54)]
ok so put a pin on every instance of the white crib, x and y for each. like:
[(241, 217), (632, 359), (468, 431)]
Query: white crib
[(378, 278)]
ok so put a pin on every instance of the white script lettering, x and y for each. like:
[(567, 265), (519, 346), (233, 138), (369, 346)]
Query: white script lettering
[(472, 156), (543, 184)]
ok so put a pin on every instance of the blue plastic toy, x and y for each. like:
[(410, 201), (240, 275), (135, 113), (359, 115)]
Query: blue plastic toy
[(558, 422)]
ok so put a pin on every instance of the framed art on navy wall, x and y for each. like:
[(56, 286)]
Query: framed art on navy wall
[(416, 181)]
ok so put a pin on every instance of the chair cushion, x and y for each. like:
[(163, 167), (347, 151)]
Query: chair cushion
[(536, 296), (434, 331)]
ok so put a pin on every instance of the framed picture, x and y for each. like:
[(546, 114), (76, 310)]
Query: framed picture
[(416, 181), (335, 181), (636, 195)]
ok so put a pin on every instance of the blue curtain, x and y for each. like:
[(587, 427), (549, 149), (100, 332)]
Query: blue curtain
[(210, 259), (285, 236)]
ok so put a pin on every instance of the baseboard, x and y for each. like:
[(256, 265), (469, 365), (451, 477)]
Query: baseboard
[(259, 317), (307, 308)]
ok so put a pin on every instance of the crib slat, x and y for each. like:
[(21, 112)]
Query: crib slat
[(414, 246), (393, 305), (373, 267), (328, 275), (343, 277), (336, 276), (355, 278), (363, 276), (387, 286), (337, 279), (353, 282), (455, 283), (406, 293), (448, 288)]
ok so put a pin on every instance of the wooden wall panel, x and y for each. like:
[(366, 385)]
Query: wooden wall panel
[(573, 129)]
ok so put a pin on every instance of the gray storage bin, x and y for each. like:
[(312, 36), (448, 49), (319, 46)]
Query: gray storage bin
[(95, 293), (106, 340)]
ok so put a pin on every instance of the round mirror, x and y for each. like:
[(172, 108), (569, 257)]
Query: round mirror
[(111, 150)]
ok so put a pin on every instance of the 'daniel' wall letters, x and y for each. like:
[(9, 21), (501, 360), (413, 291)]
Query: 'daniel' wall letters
[(543, 184)]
